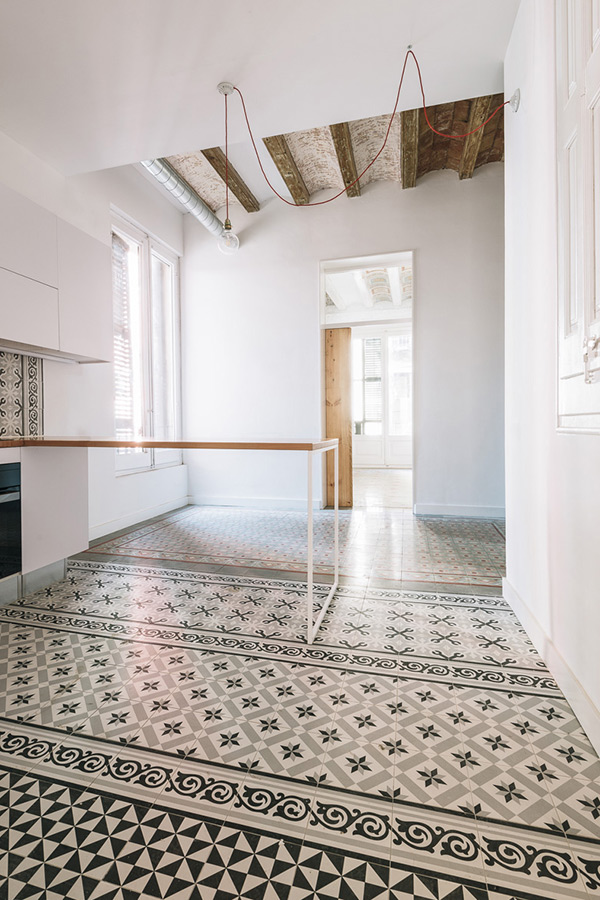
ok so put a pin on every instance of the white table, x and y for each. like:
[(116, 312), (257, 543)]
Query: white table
[(311, 448)]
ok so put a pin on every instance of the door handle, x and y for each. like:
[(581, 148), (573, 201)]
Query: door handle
[(590, 345)]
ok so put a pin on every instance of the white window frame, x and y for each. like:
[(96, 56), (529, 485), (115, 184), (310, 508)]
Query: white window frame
[(135, 461)]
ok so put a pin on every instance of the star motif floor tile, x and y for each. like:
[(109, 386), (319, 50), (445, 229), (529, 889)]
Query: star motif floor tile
[(169, 733)]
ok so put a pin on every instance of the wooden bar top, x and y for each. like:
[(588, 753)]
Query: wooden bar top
[(173, 445)]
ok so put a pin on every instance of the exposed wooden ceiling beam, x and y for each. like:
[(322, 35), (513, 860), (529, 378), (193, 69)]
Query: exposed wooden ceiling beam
[(409, 147), (237, 185), (480, 110), (345, 154), (283, 159)]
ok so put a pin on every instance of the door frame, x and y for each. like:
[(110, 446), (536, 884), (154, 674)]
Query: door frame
[(397, 258)]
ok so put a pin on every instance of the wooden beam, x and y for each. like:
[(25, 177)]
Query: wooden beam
[(345, 154), (338, 405), (409, 146), (237, 185), (480, 110), (283, 159)]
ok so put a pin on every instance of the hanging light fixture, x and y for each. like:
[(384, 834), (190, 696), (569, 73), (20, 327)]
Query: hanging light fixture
[(227, 242)]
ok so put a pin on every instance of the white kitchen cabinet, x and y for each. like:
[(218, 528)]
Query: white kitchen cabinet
[(27, 238), (28, 312), (55, 284), (54, 504), (84, 294)]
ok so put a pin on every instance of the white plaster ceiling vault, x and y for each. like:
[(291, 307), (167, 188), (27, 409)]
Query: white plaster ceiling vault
[(91, 84), (370, 294)]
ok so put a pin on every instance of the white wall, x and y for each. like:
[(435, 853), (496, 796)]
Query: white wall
[(252, 350), (552, 484), (78, 399)]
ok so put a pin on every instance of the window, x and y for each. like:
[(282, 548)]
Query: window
[(367, 388), (146, 346), (399, 370)]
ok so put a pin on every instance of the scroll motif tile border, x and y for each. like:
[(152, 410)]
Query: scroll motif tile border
[(515, 859), (21, 395)]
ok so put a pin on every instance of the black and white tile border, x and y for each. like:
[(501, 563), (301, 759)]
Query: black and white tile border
[(430, 840), (465, 674), (131, 849), (300, 586)]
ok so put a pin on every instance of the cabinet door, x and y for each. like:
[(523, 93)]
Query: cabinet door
[(28, 311), (85, 298), (54, 504), (27, 238)]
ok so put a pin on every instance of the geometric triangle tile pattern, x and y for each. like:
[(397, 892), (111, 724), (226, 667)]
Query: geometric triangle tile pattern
[(167, 733), (63, 842)]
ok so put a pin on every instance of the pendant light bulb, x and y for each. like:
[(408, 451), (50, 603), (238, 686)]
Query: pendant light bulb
[(228, 242)]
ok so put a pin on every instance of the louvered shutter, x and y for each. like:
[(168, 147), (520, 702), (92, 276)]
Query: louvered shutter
[(372, 380), (123, 361)]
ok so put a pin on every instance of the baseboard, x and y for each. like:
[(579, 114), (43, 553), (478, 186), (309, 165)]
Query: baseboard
[(10, 588), (254, 502), (583, 706), (472, 512), (44, 577), (97, 531)]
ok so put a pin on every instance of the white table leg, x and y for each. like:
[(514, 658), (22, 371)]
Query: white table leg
[(309, 572), (313, 627), (336, 506)]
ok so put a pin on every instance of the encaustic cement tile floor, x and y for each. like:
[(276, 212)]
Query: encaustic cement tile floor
[(376, 544), (168, 733)]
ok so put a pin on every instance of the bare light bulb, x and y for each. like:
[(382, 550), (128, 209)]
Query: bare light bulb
[(228, 242)]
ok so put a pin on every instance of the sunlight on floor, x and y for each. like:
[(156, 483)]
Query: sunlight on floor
[(382, 487)]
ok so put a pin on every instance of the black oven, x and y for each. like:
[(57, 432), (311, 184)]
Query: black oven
[(10, 519)]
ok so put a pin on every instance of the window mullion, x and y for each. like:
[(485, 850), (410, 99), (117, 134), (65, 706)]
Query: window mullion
[(147, 343)]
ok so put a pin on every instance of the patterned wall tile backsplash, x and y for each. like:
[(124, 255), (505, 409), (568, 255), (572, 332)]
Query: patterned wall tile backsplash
[(21, 395)]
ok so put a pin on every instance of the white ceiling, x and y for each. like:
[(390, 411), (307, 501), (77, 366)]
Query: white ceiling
[(369, 292), (91, 84)]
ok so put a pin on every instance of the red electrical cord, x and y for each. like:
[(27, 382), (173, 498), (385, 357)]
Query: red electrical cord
[(454, 137), (378, 154), (226, 167)]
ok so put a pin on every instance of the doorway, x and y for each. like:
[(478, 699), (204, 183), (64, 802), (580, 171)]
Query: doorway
[(382, 415), (368, 373)]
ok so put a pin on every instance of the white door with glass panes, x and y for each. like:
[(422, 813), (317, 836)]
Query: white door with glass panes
[(578, 133), (382, 396)]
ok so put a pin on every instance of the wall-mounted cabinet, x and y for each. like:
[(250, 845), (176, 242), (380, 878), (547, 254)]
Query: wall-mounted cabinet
[(55, 284), (84, 294), (27, 238), (28, 312)]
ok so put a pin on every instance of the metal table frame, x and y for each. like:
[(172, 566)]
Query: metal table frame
[(311, 448), (313, 627)]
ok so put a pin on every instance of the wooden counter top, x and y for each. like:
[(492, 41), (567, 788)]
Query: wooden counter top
[(173, 445)]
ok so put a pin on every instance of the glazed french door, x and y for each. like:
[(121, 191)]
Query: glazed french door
[(382, 396)]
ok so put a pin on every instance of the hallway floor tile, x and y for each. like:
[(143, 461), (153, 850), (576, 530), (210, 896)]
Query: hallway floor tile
[(387, 544)]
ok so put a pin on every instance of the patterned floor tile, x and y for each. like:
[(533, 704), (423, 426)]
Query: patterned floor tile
[(392, 544), (168, 732)]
